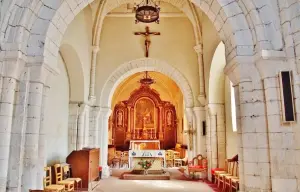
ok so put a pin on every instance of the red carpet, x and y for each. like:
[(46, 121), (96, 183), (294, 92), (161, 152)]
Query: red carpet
[(183, 178)]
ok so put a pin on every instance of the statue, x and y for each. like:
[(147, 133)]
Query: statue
[(169, 118), (120, 119)]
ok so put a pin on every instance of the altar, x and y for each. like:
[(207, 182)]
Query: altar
[(146, 150)]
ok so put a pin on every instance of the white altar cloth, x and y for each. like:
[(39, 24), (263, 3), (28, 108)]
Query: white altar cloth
[(146, 154)]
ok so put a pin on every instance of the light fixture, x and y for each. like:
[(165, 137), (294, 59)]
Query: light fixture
[(147, 80), (147, 12)]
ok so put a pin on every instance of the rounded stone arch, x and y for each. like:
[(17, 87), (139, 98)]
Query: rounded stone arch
[(183, 5), (228, 18), (145, 64), (74, 71)]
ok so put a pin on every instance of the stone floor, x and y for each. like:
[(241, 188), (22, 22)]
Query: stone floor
[(176, 184)]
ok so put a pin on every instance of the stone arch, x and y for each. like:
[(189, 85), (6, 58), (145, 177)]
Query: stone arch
[(183, 5), (45, 32), (75, 72), (145, 64)]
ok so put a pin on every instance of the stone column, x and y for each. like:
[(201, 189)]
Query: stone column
[(277, 141), (33, 152), (93, 127), (189, 131), (216, 135), (80, 137), (95, 50), (17, 135), (72, 126), (202, 96), (104, 116), (199, 113), (9, 75)]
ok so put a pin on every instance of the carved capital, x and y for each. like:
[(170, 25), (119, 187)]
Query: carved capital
[(199, 49), (95, 49)]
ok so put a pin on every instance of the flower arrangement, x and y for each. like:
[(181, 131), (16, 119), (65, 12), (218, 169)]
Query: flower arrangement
[(146, 164)]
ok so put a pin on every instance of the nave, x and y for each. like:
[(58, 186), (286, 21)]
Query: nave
[(178, 183)]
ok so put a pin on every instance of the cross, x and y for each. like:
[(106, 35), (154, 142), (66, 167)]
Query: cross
[(147, 40)]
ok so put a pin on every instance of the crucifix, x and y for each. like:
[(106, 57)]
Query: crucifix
[(147, 40)]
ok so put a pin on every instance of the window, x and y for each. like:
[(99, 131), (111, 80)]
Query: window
[(233, 109)]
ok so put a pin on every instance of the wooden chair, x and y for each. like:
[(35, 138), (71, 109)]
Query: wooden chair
[(48, 184), (234, 184), (76, 180), (124, 159), (198, 165), (69, 185), (169, 158), (177, 160), (220, 177)]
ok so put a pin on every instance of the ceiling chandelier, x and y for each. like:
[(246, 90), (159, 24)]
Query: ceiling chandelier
[(147, 12), (147, 80)]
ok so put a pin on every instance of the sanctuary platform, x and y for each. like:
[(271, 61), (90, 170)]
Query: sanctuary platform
[(132, 176)]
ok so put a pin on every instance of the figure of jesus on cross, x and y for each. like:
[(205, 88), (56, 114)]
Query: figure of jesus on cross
[(147, 40)]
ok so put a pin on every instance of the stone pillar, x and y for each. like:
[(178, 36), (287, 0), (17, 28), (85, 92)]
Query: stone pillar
[(95, 50), (199, 113), (9, 85), (104, 116), (202, 96), (9, 76), (93, 127), (33, 152), (80, 137), (277, 142), (72, 126), (216, 136), (189, 131), (17, 135)]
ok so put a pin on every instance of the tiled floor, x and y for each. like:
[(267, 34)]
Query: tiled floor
[(176, 184)]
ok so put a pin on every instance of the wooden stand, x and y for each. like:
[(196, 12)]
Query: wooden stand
[(84, 165)]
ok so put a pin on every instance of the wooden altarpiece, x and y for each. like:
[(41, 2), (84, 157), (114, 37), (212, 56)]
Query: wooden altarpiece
[(144, 116)]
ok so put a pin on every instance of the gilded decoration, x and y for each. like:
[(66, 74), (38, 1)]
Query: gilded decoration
[(144, 116)]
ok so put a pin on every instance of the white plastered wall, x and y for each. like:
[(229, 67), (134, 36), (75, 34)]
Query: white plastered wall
[(56, 117), (175, 46)]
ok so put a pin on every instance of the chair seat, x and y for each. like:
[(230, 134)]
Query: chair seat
[(220, 172), (196, 167), (231, 177), (55, 187), (235, 180), (216, 170), (74, 179), (225, 174), (66, 182)]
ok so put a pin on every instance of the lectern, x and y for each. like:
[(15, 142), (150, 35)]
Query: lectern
[(84, 164)]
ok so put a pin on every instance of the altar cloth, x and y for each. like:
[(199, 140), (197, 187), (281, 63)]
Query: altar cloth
[(158, 157)]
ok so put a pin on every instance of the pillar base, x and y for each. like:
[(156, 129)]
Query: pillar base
[(105, 171)]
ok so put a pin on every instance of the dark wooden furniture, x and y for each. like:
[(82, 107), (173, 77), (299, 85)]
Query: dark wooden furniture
[(85, 165)]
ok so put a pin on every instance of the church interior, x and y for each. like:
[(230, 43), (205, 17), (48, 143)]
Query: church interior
[(149, 95)]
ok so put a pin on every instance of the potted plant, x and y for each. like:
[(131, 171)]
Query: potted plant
[(146, 165)]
